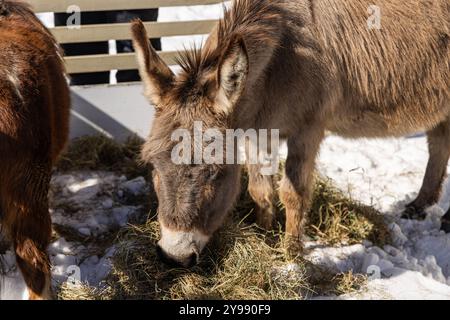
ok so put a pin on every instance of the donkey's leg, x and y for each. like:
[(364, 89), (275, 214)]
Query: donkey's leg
[(28, 224), (261, 190), (295, 188), (439, 149)]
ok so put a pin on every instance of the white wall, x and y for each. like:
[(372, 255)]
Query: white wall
[(117, 111)]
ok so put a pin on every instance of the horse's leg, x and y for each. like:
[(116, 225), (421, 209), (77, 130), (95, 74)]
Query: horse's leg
[(439, 149), (28, 224), (4, 243), (295, 188), (261, 190)]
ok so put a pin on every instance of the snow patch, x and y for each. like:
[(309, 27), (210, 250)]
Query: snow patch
[(89, 206)]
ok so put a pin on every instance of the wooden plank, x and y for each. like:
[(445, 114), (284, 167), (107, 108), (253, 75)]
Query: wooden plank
[(104, 5), (121, 31), (105, 62)]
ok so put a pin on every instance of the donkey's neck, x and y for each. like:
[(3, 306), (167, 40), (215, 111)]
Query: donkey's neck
[(249, 112), (261, 24)]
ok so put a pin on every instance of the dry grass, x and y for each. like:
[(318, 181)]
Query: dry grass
[(325, 283), (238, 264), (336, 219), (350, 283), (102, 153), (82, 291), (242, 262)]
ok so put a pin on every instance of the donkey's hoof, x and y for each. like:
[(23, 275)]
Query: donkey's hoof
[(265, 225), (265, 219), (413, 213), (294, 246)]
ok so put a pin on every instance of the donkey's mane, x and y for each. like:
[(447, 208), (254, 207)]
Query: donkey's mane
[(255, 21)]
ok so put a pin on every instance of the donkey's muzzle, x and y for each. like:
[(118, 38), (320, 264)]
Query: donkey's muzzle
[(188, 262)]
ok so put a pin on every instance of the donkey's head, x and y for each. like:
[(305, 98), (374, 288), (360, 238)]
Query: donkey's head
[(194, 197)]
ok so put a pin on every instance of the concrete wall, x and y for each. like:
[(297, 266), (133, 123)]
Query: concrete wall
[(117, 111)]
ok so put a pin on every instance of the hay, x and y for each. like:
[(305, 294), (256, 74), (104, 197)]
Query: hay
[(82, 291), (238, 264), (336, 219), (104, 154), (242, 261), (323, 283), (349, 283)]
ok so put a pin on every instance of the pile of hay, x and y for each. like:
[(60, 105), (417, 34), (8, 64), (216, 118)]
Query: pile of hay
[(104, 154), (336, 219), (238, 264), (242, 261)]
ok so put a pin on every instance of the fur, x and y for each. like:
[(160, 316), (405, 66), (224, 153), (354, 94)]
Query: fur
[(313, 66), (34, 121)]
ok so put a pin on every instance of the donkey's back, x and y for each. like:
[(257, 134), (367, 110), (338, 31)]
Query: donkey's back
[(390, 61), (364, 69), (34, 112)]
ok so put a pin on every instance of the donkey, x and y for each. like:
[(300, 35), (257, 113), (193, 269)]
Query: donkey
[(34, 113), (304, 67)]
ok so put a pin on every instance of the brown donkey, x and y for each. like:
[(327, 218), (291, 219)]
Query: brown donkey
[(34, 112), (303, 67)]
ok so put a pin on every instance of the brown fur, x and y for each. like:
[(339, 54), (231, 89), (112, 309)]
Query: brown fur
[(313, 66), (34, 113)]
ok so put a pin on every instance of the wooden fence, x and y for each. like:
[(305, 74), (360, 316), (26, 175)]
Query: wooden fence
[(120, 31)]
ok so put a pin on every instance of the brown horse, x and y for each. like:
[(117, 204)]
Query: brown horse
[(34, 113), (303, 67)]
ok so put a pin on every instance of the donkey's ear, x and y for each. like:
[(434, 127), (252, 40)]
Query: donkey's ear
[(232, 75), (156, 75)]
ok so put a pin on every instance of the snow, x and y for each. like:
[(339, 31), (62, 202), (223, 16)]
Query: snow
[(415, 266), (403, 285), (91, 205), (386, 174), (93, 196)]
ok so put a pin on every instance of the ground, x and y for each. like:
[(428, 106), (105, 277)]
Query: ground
[(90, 207), (387, 174)]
